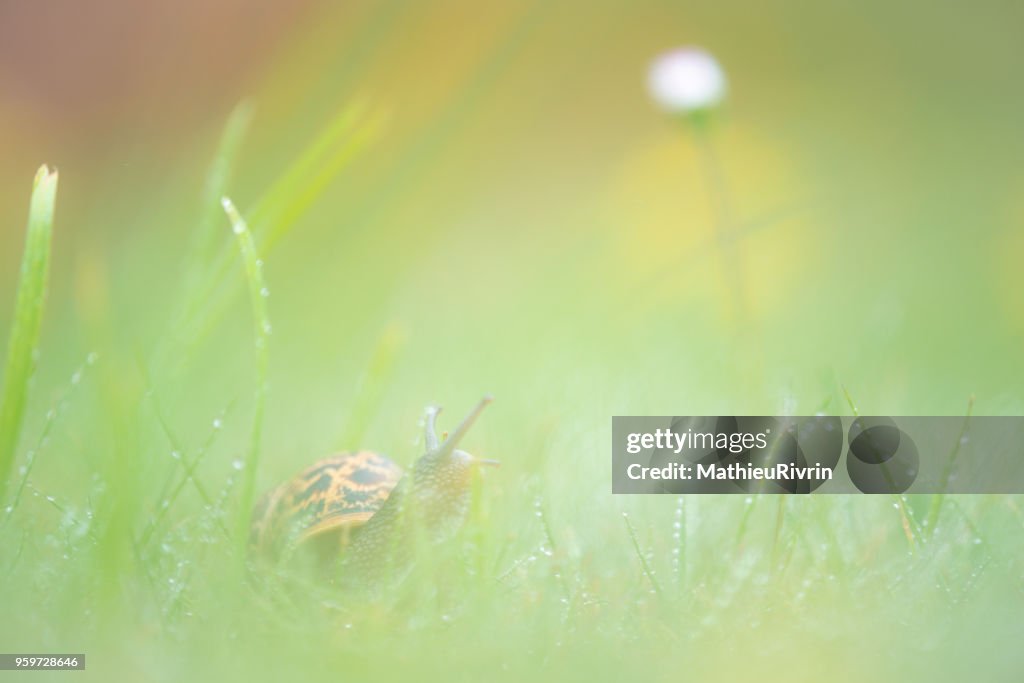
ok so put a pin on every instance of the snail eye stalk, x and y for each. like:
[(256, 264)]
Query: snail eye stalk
[(452, 441)]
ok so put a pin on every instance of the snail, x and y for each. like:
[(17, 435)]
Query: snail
[(361, 513)]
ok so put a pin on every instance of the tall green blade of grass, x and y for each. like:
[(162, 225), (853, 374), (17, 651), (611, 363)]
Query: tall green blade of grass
[(258, 298), (28, 316)]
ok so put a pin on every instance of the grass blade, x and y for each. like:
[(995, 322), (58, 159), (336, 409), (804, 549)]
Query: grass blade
[(910, 528), (258, 298), (644, 564), (932, 520), (28, 316)]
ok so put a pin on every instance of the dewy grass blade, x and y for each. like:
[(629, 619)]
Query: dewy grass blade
[(30, 458), (644, 564), (258, 297), (910, 529), (932, 520), (28, 316)]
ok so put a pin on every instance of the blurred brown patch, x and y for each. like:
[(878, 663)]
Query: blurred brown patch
[(82, 68)]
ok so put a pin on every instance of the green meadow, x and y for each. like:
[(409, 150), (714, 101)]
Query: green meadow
[(393, 213)]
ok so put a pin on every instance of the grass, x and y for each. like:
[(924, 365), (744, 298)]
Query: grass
[(126, 530), (23, 341), (258, 293)]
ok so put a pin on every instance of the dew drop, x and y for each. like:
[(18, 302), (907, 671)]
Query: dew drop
[(238, 464), (217, 424)]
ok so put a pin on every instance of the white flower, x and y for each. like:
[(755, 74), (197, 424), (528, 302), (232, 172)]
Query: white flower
[(686, 80)]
